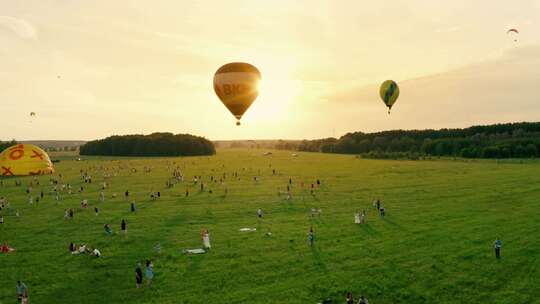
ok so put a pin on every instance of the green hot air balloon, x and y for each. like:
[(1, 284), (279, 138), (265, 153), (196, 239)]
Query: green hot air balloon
[(389, 93)]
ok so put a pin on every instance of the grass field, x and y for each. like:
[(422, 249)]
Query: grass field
[(434, 246)]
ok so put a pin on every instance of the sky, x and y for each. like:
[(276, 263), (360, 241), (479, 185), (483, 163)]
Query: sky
[(91, 69)]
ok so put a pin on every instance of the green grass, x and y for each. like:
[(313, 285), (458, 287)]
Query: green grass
[(435, 246)]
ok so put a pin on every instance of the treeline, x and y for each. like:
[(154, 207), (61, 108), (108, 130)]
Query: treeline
[(6, 144), (62, 149), (155, 144), (512, 140)]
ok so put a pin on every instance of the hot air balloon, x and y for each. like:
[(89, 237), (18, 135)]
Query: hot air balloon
[(24, 159), (32, 113), (513, 33), (389, 92), (236, 85)]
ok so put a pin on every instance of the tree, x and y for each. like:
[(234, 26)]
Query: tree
[(531, 150)]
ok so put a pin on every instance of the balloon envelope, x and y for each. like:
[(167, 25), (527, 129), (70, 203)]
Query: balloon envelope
[(389, 92), (236, 85), (25, 159)]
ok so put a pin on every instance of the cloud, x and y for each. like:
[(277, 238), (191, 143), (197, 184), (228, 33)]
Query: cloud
[(19, 27)]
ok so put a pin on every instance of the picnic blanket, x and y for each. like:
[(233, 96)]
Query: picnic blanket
[(248, 229), (194, 251)]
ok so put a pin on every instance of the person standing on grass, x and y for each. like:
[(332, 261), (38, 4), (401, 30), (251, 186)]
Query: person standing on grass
[(498, 245), (149, 272), (138, 275), (22, 292), (126, 194), (96, 210), (260, 213), (123, 226), (311, 237), (205, 235), (132, 206)]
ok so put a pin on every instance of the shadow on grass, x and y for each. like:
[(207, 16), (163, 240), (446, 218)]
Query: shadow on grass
[(368, 229), (394, 224), (318, 260)]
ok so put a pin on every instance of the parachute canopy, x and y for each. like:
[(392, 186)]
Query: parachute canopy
[(24, 159), (513, 30), (389, 92), (236, 85), (513, 33)]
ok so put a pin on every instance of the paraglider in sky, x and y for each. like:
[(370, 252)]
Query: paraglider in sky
[(389, 93), (513, 33), (236, 85), (25, 159)]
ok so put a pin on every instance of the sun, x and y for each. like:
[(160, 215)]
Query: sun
[(277, 94)]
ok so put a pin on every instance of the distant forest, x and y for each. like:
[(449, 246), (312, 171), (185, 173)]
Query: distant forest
[(156, 144), (512, 140)]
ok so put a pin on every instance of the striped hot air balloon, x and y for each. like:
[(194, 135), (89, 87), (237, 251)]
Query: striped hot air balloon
[(236, 85)]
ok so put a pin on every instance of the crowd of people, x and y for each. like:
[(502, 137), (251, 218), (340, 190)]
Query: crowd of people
[(146, 271)]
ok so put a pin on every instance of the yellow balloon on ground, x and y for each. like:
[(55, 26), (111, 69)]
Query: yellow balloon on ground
[(25, 159), (237, 86), (389, 92)]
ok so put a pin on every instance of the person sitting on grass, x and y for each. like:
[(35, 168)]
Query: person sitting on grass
[(72, 248), (80, 249), (6, 249), (108, 230), (363, 300), (96, 253), (22, 292), (349, 299)]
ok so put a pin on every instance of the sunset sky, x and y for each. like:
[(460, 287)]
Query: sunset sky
[(90, 69)]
